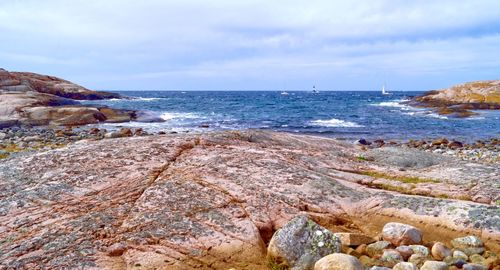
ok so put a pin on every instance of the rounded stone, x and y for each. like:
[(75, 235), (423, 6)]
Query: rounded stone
[(405, 266), (434, 265), (457, 254), (469, 245), (377, 248), (405, 251), (419, 249), (474, 266), (338, 261), (401, 234), (439, 251)]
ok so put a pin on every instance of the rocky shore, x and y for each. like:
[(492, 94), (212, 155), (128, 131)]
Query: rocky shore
[(124, 199), (460, 100), (34, 100)]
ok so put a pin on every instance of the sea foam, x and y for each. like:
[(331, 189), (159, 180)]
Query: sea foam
[(334, 123)]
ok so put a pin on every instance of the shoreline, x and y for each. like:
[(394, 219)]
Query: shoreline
[(20, 139)]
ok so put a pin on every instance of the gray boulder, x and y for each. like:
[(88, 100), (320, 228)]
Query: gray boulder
[(301, 243)]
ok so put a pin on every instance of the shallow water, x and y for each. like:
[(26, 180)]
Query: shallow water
[(341, 114)]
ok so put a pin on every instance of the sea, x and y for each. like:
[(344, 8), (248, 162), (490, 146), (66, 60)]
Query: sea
[(348, 115)]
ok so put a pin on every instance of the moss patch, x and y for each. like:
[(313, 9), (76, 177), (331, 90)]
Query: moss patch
[(400, 178)]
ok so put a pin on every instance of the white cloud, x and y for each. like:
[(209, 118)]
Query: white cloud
[(251, 42)]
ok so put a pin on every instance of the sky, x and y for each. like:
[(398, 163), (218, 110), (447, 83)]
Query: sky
[(253, 45)]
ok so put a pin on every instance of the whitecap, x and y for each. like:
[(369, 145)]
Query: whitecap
[(146, 99), (334, 123), (393, 103), (179, 116)]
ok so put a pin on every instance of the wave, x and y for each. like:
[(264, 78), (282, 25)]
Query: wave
[(146, 99), (334, 123), (393, 103), (179, 116)]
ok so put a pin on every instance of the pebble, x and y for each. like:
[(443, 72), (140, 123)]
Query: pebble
[(401, 234), (434, 265), (439, 251), (405, 266), (338, 261)]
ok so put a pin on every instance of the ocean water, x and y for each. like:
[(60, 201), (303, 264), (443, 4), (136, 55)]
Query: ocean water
[(337, 114)]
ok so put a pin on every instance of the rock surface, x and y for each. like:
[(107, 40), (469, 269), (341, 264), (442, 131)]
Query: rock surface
[(459, 99), (33, 99), (214, 200)]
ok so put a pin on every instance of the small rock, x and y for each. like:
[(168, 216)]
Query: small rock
[(457, 254), (401, 234), (439, 251), (473, 266), (391, 256), (434, 265), (440, 141), (301, 243), (354, 239), (405, 266), (468, 244), (476, 258), (481, 199), (377, 248), (418, 259), (94, 131), (405, 251), (338, 261), (380, 268), (204, 126), (361, 249), (116, 249), (363, 142), (419, 249), (455, 145), (2, 135)]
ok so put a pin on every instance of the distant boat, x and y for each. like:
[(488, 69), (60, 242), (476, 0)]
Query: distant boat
[(314, 90), (384, 92), (284, 93)]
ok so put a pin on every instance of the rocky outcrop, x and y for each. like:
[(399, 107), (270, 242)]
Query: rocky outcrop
[(33, 99), (460, 99), (27, 81), (213, 201)]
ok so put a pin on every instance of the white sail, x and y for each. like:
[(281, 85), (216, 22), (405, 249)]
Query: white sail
[(383, 90)]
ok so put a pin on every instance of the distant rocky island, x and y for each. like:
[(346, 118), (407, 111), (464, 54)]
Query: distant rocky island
[(459, 100), (88, 198), (33, 99)]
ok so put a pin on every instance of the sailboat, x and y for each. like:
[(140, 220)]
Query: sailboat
[(314, 90), (384, 92)]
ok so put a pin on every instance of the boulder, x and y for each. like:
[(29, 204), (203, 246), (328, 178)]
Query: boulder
[(301, 243), (401, 234), (338, 261)]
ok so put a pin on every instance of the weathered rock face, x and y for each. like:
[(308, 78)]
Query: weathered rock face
[(26, 81), (33, 99), (209, 201), (459, 99)]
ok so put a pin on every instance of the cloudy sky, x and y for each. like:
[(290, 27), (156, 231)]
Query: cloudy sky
[(253, 44)]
